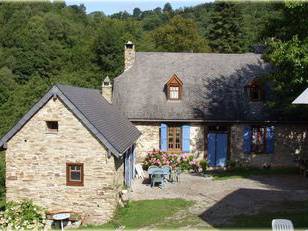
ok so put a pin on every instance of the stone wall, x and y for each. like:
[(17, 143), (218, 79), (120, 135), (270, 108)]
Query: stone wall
[(290, 142), (36, 166), (197, 140), (150, 139)]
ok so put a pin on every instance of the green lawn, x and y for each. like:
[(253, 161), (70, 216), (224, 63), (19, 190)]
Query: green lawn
[(248, 172), (143, 213), (297, 212), (156, 214)]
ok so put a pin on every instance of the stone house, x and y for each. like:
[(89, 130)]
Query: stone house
[(211, 105), (76, 147), (71, 152)]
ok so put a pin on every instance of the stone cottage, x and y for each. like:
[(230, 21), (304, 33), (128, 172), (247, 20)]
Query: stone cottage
[(211, 105), (71, 152), (76, 147)]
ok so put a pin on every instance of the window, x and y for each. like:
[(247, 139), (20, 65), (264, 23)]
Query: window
[(174, 138), (254, 91), (174, 88), (74, 174), (52, 126), (258, 139), (174, 92)]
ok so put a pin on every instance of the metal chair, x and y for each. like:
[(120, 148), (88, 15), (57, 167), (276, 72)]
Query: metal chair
[(282, 225), (167, 171), (158, 177)]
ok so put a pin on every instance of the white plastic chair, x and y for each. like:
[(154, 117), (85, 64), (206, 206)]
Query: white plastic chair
[(282, 225), (139, 171)]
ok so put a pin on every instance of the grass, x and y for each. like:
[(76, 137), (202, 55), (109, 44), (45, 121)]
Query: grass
[(248, 172), (295, 211), (138, 214)]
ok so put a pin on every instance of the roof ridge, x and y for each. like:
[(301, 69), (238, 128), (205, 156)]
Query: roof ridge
[(67, 85), (195, 53)]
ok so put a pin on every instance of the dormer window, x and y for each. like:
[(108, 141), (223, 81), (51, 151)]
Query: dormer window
[(174, 88), (255, 91)]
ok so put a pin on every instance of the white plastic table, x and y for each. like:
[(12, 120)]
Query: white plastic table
[(61, 217)]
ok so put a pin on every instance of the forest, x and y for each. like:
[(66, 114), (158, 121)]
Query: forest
[(44, 43)]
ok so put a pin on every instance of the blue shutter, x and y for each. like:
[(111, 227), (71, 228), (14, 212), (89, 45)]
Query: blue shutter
[(247, 140), (186, 138), (270, 140), (163, 137)]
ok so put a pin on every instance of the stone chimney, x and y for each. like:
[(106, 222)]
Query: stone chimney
[(129, 55), (107, 89)]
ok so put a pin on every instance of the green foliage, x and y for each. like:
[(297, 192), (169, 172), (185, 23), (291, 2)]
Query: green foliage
[(22, 215), (225, 28), (138, 214), (291, 78), (204, 165), (179, 35)]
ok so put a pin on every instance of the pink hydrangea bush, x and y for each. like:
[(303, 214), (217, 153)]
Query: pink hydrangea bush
[(185, 161)]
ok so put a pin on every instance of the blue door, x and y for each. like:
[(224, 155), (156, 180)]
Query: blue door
[(129, 166), (217, 149)]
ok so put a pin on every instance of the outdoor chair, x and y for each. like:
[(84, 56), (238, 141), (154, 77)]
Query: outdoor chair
[(152, 169), (158, 177), (167, 171), (139, 171), (282, 225), (178, 173)]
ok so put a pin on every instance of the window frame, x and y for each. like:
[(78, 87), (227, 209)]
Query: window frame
[(70, 182), (48, 127), (254, 85), (169, 91), (174, 128), (259, 127), (174, 81)]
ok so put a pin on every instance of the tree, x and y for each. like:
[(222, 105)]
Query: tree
[(179, 35), (290, 78), (224, 28), (167, 8), (137, 13)]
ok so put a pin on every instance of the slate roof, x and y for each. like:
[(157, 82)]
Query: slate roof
[(213, 87), (103, 120)]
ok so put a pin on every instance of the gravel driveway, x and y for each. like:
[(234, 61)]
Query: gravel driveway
[(219, 200)]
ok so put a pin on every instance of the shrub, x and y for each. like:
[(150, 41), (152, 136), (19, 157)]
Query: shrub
[(23, 215), (184, 161), (203, 164)]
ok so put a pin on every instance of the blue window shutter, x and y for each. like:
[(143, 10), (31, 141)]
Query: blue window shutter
[(163, 137), (247, 140), (270, 140), (186, 138)]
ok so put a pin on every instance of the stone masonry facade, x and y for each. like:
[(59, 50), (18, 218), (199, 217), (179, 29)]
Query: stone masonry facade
[(290, 142), (150, 139), (36, 166)]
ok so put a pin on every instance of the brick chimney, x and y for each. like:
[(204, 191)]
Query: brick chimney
[(129, 55), (107, 89)]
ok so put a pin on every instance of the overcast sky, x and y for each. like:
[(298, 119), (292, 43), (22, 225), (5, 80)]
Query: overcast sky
[(110, 7)]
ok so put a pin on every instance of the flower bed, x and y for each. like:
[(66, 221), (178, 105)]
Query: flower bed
[(184, 161)]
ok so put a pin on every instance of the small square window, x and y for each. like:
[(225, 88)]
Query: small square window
[(74, 174), (52, 126)]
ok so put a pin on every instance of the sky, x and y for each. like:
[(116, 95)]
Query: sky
[(114, 6)]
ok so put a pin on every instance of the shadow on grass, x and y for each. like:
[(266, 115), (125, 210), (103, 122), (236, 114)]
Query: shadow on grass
[(255, 209)]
